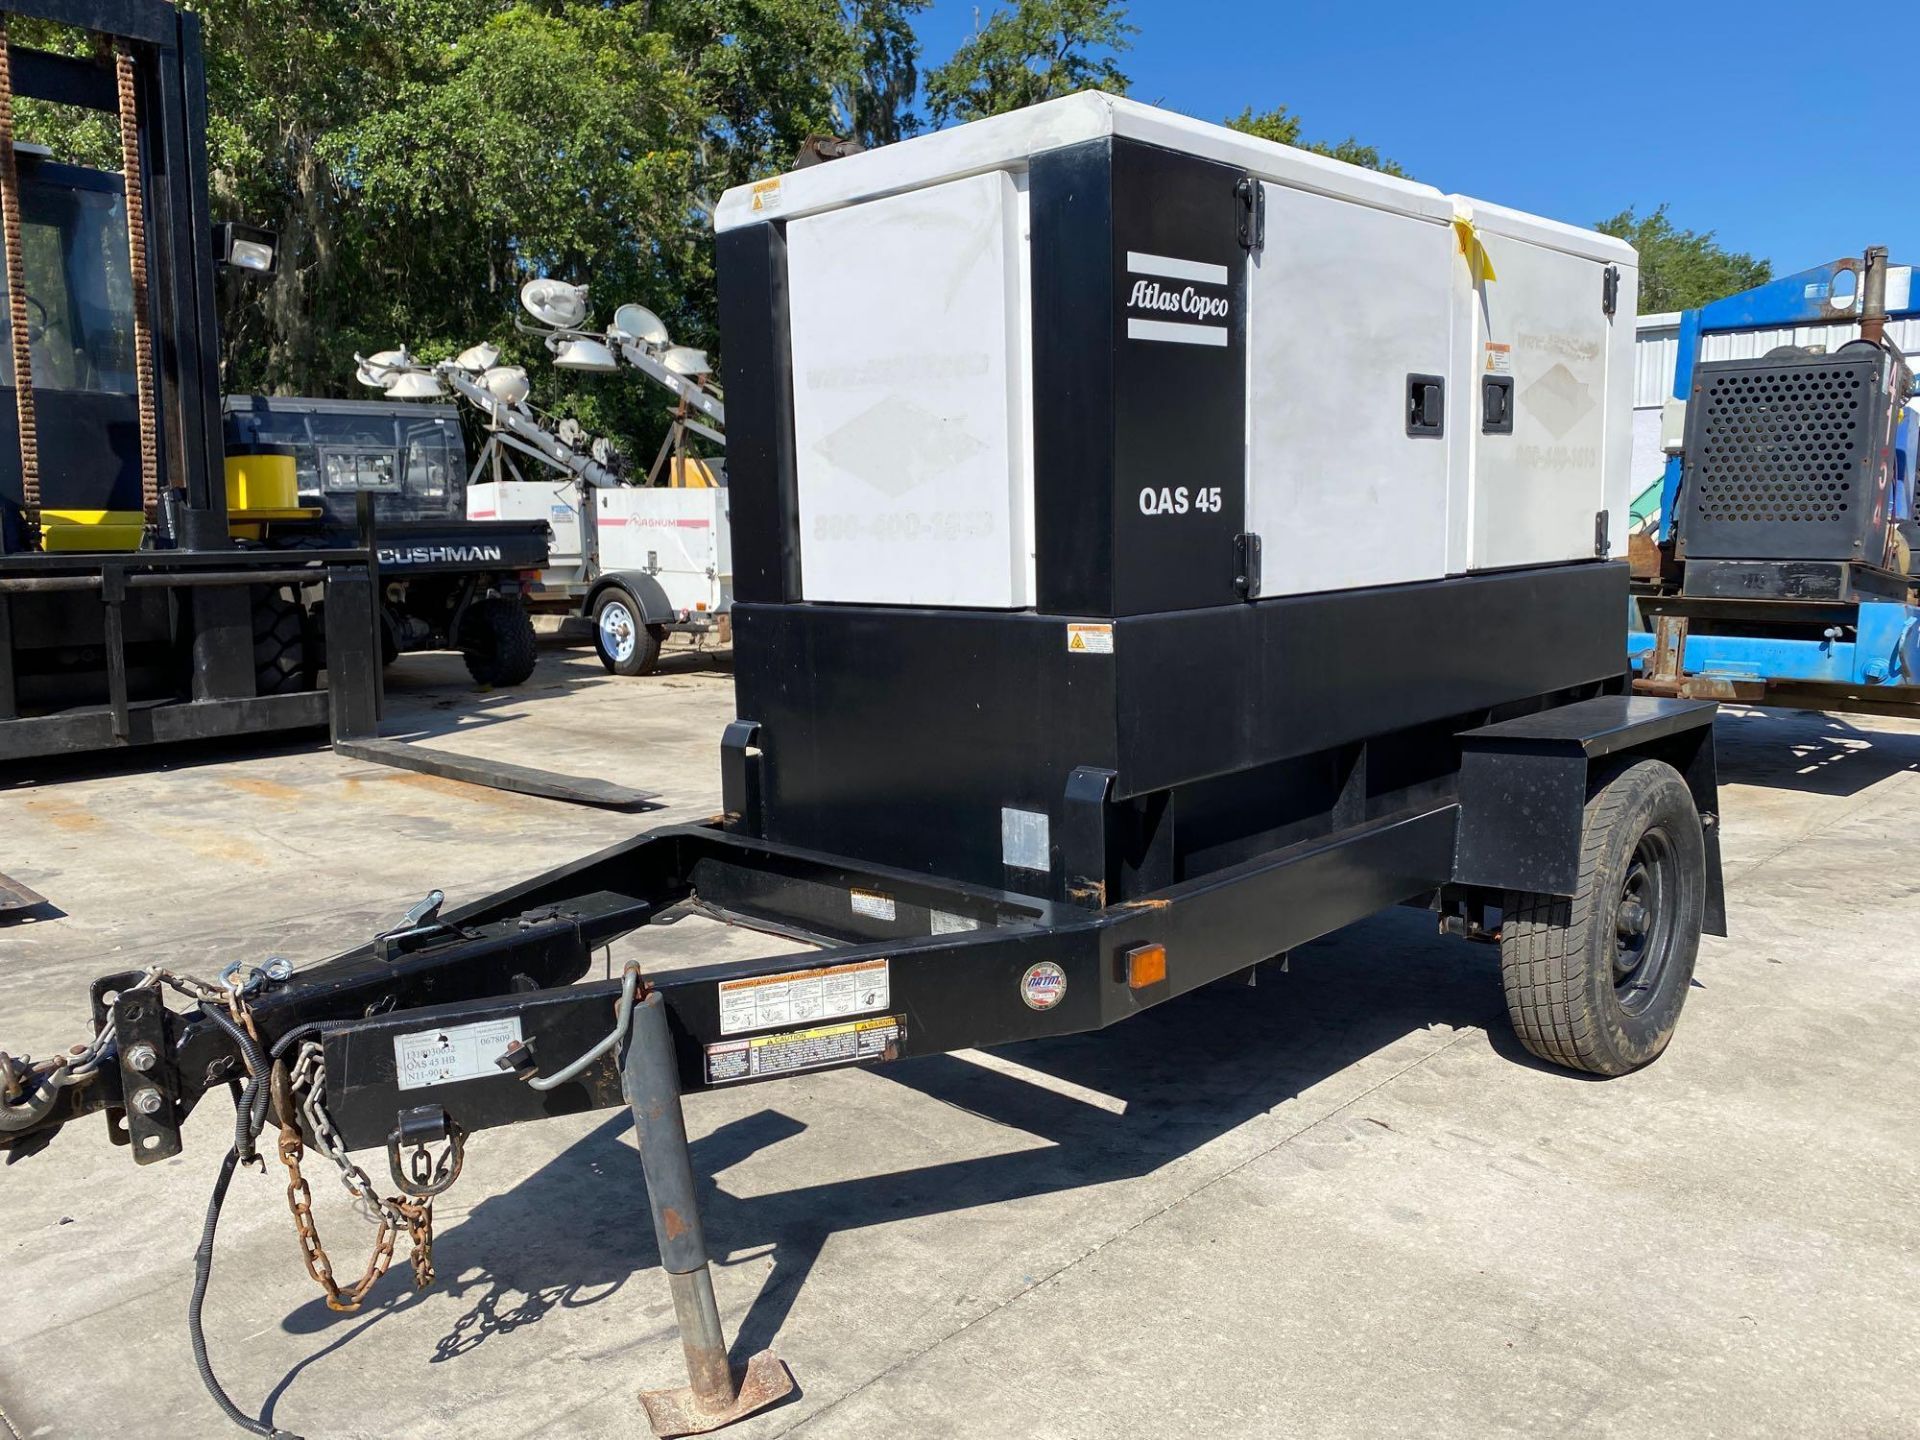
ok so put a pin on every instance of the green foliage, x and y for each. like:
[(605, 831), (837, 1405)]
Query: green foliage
[(421, 159), (1283, 127), (1038, 50), (877, 103), (1682, 269)]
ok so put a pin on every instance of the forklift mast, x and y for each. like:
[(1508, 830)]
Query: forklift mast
[(122, 411)]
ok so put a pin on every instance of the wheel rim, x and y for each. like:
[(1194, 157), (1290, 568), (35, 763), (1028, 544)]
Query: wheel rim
[(617, 630), (1643, 927)]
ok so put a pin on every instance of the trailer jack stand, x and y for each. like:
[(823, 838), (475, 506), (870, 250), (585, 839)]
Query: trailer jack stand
[(712, 1399)]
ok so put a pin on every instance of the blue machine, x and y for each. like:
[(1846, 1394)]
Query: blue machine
[(1780, 566)]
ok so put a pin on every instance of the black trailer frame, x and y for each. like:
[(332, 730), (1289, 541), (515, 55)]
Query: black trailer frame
[(190, 594), (953, 965)]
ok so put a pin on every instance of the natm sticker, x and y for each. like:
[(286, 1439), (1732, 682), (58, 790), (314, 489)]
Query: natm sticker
[(1043, 986)]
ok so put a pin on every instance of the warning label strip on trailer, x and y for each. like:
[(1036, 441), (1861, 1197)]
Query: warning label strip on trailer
[(875, 1038), (797, 996)]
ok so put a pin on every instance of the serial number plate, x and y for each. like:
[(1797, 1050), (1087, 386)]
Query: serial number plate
[(458, 1052)]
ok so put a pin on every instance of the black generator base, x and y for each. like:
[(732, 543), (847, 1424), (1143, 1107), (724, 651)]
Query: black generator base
[(1220, 733)]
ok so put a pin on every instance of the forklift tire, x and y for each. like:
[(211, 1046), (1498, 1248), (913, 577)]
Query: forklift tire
[(279, 644), (625, 645), (496, 641), (1596, 982)]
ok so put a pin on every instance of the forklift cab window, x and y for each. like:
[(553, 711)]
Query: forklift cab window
[(78, 281)]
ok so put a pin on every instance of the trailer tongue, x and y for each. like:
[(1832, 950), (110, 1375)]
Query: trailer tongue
[(1124, 598)]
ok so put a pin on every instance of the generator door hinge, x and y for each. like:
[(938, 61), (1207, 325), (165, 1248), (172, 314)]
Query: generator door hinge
[(1252, 196), (1602, 544), (1610, 291), (1246, 562)]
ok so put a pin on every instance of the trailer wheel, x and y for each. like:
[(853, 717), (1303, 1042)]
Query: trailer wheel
[(496, 640), (279, 644), (1596, 982), (624, 644)]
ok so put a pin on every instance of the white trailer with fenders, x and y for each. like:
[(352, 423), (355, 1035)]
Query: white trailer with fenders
[(1154, 549), (637, 561)]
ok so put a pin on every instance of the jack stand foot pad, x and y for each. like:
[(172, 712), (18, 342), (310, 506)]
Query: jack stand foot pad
[(677, 1412)]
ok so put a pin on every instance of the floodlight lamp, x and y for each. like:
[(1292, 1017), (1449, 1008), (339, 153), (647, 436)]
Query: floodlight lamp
[(555, 303), (581, 353), (685, 360), (380, 369), (476, 358), (416, 385), (636, 322), (506, 383)]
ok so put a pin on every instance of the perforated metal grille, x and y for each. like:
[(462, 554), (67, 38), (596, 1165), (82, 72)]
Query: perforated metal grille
[(1781, 445), (1781, 457)]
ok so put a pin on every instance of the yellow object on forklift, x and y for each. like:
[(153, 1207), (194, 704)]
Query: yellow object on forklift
[(261, 477), (67, 531), (262, 485)]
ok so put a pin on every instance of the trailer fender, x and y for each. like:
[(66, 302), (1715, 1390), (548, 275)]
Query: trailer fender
[(654, 606), (1524, 783)]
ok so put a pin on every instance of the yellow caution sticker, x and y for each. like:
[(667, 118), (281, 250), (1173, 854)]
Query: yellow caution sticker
[(763, 1056), (1090, 639)]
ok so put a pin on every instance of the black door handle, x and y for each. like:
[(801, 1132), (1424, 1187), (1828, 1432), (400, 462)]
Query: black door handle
[(1426, 405)]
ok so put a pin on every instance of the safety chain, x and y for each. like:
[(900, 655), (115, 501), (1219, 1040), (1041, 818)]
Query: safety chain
[(137, 271), (303, 1088), (16, 270)]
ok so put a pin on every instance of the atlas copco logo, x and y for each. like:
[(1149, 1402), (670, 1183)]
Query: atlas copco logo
[(1152, 295), (438, 554)]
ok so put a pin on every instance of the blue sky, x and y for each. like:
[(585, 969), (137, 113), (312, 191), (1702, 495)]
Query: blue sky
[(1788, 129)]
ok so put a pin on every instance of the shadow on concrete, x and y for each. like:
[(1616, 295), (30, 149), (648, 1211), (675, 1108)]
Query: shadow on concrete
[(1809, 751), (1188, 1072)]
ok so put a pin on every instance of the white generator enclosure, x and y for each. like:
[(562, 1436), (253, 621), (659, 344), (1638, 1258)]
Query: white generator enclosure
[(909, 320), (557, 502), (673, 543), (1381, 383)]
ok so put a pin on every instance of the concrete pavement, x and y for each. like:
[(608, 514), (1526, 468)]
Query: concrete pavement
[(1341, 1204)]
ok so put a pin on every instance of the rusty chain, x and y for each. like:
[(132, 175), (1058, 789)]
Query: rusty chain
[(300, 1090)]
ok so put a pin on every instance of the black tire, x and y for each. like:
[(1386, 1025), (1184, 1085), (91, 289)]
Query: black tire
[(279, 644), (1596, 983), (496, 640), (625, 645)]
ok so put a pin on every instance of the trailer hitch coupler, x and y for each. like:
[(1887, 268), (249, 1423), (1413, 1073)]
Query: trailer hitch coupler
[(713, 1397)]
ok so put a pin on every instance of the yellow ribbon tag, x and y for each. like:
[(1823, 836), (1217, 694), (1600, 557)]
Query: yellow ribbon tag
[(1479, 263)]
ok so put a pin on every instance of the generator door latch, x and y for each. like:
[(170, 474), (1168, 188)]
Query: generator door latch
[(1610, 291), (1496, 404), (1426, 405), (1246, 561), (1252, 196), (1602, 541)]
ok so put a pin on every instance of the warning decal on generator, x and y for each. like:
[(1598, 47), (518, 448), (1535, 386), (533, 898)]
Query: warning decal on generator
[(762, 1001), (876, 1038), (1089, 639)]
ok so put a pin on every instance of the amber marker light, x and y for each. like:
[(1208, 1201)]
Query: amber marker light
[(1146, 965)]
